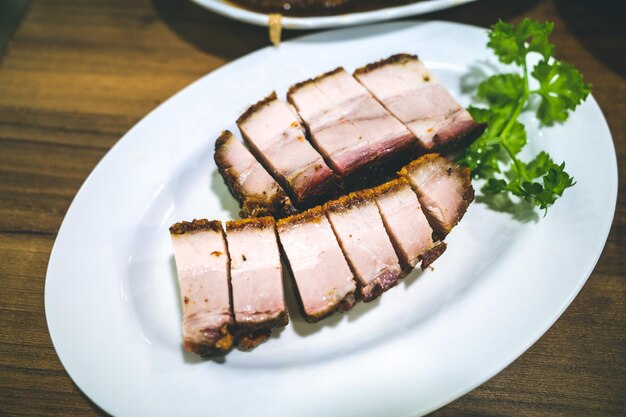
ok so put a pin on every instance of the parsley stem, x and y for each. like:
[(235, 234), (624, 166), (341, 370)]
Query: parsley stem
[(517, 162), (513, 118), (520, 104)]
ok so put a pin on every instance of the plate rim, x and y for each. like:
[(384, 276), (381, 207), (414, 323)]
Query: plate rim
[(486, 376), (323, 22)]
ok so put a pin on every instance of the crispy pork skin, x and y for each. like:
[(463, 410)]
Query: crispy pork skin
[(361, 233), (202, 265), (353, 131), (443, 188), (412, 94), (406, 224), (256, 278), (277, 139), (257, 192), (320, 271)]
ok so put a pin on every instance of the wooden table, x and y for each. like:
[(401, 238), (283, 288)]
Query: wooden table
[(78, 74)]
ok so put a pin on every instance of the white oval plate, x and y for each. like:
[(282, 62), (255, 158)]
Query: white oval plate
[(228, 9), (112, 303)]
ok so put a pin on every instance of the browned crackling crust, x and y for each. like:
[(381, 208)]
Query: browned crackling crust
[(250, 340), (393, 59), (390, 187), (313, 80), (349, 201), (256, 107), (183, 227), (253, 223), (431, 255), (344, 305), (279, 206), (313, 215), (388, 279), (250, 336), (222, 342)]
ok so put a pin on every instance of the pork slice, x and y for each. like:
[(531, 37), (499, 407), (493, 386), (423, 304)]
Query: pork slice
[(412, 94), (277, 139), (256, 279), (443, 188), (257, 192), (322, 276), (406, 224), (354, 132), (365, 243), (202, 265)]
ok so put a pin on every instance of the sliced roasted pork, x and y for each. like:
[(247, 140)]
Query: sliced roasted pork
[(202, 264), (349, 127), (361, 233), (257, 192), (406, 224), (277, 139), (320, 271), (256, 279), (443, 188), (412, 94)]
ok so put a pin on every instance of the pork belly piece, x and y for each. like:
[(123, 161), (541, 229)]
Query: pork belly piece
[(443, 188), (322, 276), (257, 192), (202, 265), (406, 224), (277, 139), (412, 94), (349, 127), (256, 279), (364, 241)]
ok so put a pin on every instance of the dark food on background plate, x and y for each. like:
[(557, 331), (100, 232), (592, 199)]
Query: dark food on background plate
[(316, 7)]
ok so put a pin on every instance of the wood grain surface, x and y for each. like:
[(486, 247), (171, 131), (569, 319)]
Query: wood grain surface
[(78, 74)]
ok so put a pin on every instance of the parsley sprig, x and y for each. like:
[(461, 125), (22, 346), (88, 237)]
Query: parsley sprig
[(494, 155)]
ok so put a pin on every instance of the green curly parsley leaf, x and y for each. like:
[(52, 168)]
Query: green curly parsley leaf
[(540, 182), (561, 88), (512, 43), (503, 90)]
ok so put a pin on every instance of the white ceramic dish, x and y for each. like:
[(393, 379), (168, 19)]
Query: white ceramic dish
[(228, 9), (111, 296)]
